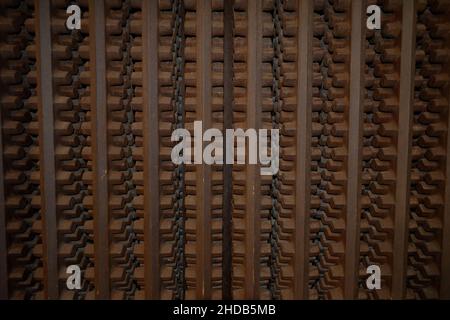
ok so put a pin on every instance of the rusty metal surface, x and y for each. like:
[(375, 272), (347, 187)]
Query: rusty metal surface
[(86, 176)]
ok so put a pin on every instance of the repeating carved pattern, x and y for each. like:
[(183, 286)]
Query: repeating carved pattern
[(428, 169), (240, 42), (381, 105), (20, 129), (329, 148), (162, 74), (123, 75), (278, 112), (172, 102), (72, 112)]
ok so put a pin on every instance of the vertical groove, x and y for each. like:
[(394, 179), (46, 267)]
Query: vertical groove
[(204, 171), (101, 252), (303, 147), (252, 214), (355, 149), (47, 150), (227, 169), (407, 66), (151, 150)]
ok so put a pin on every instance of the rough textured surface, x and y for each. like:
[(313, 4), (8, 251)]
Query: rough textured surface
[(188, 50)]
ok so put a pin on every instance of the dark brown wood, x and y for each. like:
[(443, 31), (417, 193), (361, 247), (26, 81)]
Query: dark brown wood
[(203, 171), (445, 265), (303, 163), (3, 214), (3, 238), (253, 185), (151, 147), (407, 70), (228, 168), (100, 144), (354, 129), (47, 149), (354, 165)]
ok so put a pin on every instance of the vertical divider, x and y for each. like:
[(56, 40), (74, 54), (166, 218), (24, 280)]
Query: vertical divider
[(445, 265), (402, 194), (3, 238), (99, 134), (227, 168), (151, 149), (252, 213), (355, 123), (47, 150), (203, 171), (303, 163), (3, 216)]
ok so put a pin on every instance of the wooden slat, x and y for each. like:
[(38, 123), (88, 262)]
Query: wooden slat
[(100, 143), (402, 193), (47, 149), (228, 168), (303, 164), (151, 150), (252, 212), (3, 244), (445, 265), (3, 215), (203, 171), (354, 165)]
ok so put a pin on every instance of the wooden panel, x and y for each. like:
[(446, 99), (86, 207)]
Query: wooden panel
[(227, 240), (87, 177), (204, 196), (404, 150), (355, 122), (48, 150), (3, 245), (252, 212), (100, 143), (303, 181), (151, 143)]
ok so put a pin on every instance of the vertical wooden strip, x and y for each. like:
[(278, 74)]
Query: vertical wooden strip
[(228, 168), (151, 149), (354, 165), (303, 164), (445, 265), (252, 212), (3, 238), (47, 150), (203, 171), (100, 143), (3, 216), (402, 193), (4, 281)]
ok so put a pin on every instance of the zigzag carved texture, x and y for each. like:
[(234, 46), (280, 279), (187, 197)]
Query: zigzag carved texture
[(347, 194)]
